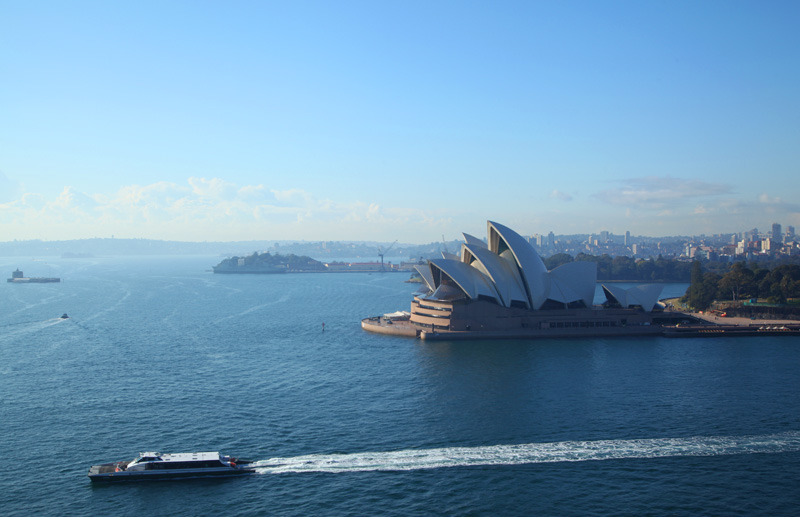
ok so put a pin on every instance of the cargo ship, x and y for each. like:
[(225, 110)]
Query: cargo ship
[(17, 277)]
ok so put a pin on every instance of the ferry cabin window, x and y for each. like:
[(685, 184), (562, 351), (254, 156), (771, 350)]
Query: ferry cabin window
[(179, 465)]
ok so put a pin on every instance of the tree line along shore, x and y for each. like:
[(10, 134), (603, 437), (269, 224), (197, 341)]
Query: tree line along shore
[(746, 290)]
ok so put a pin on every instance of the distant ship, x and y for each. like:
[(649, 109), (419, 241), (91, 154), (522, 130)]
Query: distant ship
[(17, 277)]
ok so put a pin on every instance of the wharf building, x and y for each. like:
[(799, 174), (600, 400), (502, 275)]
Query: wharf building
[(501, 288)]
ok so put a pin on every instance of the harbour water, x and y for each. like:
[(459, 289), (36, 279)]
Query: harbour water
[(160, 354)]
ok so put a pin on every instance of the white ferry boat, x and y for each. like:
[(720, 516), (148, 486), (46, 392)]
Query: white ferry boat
[(154, 465)]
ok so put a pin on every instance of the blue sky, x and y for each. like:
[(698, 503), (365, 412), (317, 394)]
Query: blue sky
[(396, 120)]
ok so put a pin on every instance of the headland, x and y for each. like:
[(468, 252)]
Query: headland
[(499, 288)]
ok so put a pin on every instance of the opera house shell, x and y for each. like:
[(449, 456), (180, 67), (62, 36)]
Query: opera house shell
[(500, 287)]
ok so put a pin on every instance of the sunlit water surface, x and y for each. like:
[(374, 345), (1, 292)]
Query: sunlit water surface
[(160, 354)]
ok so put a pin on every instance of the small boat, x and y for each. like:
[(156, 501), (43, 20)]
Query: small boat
[(154, 465), (64, 316)]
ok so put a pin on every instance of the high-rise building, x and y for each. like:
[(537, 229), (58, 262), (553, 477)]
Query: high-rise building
[(777, 234), (627, 238), (790, 234), (551, 240)]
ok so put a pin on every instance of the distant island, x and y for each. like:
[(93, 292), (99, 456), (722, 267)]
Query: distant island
[(267, 263)]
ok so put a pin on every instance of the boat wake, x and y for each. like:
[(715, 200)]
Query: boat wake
[(532, 453), (25, 327)]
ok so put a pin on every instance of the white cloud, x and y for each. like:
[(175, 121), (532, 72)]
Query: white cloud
[(203, 209), (9, 189), (214, 188), (656, 193), (765, 199), (777, 205), (561, 196), (292, 195), (252, 192)]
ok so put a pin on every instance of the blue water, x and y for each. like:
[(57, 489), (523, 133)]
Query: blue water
[(160, 354)]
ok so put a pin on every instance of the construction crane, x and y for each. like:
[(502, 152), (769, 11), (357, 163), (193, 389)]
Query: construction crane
[(381, 253)]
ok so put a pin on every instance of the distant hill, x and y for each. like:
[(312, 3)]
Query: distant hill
[(106, 247), (320, 250)]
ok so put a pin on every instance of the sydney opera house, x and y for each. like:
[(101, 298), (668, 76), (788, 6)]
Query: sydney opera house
[(500, 287)]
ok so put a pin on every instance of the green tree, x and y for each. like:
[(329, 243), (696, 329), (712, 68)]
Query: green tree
[(646, 270), (702, 290), (708, 291), (556, 260), (737, 283), (623, 268)]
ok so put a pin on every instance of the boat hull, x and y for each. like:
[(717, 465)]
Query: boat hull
[(111, 473)]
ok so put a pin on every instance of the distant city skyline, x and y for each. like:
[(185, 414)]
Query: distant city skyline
[(374, 122)]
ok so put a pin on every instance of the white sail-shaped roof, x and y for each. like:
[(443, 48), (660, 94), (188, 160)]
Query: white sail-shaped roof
[(562, 292), (469, 239), (505, 275), (448, 292), (449, 256), (616, 294), (645, 295), (469, 279), (508, 270), (507, 243), (427, 277), (575, 281)]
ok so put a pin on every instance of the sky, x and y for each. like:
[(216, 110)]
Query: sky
[(351, 120)]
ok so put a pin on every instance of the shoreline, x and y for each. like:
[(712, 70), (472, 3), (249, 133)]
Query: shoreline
[(405, 328)]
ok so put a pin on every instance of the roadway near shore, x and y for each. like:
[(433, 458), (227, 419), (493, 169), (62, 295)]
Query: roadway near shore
[(725, 320), (739, 322)]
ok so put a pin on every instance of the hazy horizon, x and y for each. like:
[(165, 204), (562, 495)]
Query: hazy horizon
[(386, 241), (370, 121)]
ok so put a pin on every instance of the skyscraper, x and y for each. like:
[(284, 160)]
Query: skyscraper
[(777, 234)]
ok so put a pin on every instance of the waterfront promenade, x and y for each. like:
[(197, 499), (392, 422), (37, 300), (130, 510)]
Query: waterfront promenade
[(712, 326), (740, 322)]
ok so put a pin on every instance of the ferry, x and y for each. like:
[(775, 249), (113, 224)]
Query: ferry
[(154, 465)]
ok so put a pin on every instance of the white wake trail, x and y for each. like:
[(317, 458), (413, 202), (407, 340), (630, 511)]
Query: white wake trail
[(416, 459)]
